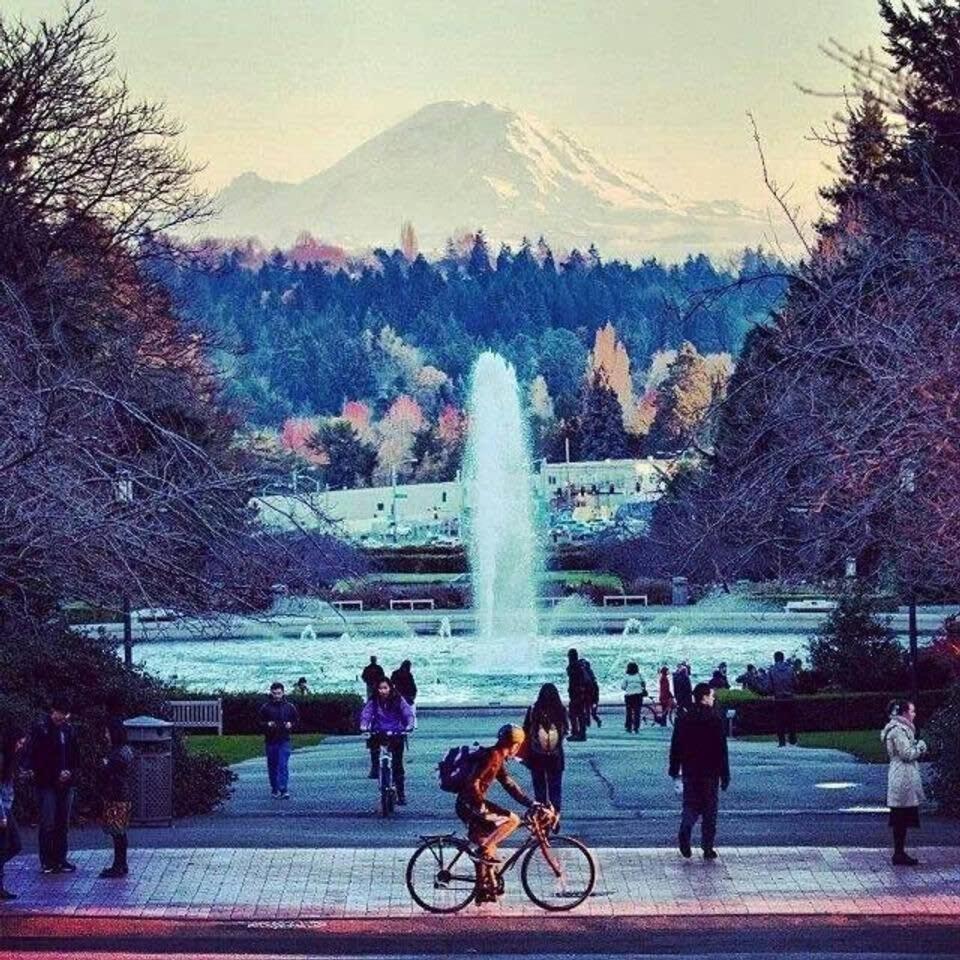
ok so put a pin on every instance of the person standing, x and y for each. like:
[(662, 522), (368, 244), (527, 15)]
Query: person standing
[(666, 697), (782, 680), (12, 742), (52, 762), (719, 679), (545, 726), (371, 675), (682, 690), (580, 694), (301, 688), (278, 718), (115, 794), (698, 754), (904, 784), (388, 718), (403, 682), (634, 690)]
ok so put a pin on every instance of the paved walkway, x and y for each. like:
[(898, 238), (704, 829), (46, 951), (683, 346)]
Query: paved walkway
[(293, 884)]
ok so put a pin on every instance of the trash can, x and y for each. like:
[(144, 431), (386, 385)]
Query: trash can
[(151, 791), (680, 594)]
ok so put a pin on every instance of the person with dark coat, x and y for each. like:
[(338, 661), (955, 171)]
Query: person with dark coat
[(782, 682), (278, 719), (371, 675), (12, 742), (698, 754), (666, 697), (545, 727), (53, 763), (682, 689), (583, 692), (403, 682), (719, 679), (115, 796)]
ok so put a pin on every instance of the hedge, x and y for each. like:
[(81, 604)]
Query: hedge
[(319, 712), (833, 711)]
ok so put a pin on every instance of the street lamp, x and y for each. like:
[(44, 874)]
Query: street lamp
[(123, 493), (908, 486)]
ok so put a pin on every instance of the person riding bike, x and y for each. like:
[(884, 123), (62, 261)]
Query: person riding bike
[(388, 718), (488, 824)]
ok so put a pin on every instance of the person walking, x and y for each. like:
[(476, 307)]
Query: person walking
[(698, 754), (278, 718), (388, 718), (580, 685), (52, 765), (666, 697), (719, 679), (403, 682), (115, 796), (682, 690), (634, 690), (12, 741), (545, 726), (371, 675), (904, 784), (782, 681)]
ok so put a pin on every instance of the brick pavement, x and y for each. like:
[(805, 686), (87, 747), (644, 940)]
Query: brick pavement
[(260, 884)]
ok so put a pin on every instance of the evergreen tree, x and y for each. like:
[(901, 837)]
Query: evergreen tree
[(601, 432), (351, 461), (478, 265)]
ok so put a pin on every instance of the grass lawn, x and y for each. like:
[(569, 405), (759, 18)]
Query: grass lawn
[(242, 746), (863, 744)]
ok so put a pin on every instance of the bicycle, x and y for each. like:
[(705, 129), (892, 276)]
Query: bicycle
[(652, 712), (385, 782), (557, 873)]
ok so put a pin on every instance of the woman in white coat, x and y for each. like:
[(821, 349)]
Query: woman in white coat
[(904, 785)]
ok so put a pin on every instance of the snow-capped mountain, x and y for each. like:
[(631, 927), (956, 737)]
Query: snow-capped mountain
[(456, 166)]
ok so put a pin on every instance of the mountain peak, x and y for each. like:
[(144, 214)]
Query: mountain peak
[(457, 164)]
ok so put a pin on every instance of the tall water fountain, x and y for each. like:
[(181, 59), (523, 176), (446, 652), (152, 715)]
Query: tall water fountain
[(503, 549)]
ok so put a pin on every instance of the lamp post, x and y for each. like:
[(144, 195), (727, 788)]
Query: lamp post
[(908, 486), (123, 493)]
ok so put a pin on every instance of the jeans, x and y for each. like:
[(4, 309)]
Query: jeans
[(278, 761), (547, 786), (785, 715), (55, 804), (633, 702), (700, 799)]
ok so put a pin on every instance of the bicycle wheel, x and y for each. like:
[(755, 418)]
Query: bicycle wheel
[(578, 874), (441, 877), (388, 792)]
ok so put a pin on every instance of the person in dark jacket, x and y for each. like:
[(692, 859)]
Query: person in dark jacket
[(278, 718), (682, 690), (53, 762), (371, 675), (583, 693), (719, 679), (545, 727), (12, 741), (403, 682), (782, 683), (698, 754), (115, 796)]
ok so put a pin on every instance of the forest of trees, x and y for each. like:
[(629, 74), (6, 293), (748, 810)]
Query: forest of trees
[(312, 343)]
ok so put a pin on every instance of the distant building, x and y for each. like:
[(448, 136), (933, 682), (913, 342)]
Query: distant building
[(414, 512)]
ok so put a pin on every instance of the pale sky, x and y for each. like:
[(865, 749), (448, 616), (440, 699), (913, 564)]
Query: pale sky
[(287, 87)]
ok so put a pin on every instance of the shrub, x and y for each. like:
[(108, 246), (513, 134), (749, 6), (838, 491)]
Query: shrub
[(319, 712), (94, 681), (854, 650), (943, 735), (201, 781), (829, 711)]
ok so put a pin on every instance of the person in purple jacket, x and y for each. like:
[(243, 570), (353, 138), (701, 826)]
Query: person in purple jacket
[(388, 718)]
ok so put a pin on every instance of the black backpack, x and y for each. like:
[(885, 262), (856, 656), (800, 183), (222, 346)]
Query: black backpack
[(458, 766)]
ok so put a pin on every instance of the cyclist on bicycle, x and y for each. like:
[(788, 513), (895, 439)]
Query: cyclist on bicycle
[(387, 717), (489, 824)]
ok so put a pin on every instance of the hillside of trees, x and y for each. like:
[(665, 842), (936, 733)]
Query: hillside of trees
[(362, 365)]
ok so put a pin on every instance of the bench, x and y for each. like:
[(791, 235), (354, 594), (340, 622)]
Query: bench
[(197, 714), (347, 605), (425, 603), (625, 600)]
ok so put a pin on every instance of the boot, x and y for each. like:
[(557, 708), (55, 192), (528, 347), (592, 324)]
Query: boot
[(401, 783)]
